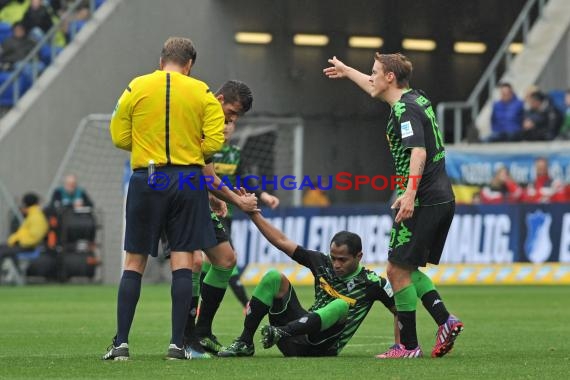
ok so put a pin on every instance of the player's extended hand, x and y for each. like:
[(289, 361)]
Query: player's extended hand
[(338, 69), (405, 206), (270, 200), (248, 201)]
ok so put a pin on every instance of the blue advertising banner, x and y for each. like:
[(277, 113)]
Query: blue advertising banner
[(478, 168), (479, 234)]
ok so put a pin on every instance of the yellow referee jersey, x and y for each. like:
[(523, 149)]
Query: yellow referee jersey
[(169, 118)]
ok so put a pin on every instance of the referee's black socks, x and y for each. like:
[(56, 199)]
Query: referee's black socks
[(128, 297), (181, 294)]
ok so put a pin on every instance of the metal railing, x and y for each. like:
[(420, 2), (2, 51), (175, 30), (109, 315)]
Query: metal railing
[(32, 60), (483, 90)]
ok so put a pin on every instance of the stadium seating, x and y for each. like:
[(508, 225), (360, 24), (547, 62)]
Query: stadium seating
[(26, 80), (45, 53), (24, 83), (557, 97), (14, 271), (5, 31)]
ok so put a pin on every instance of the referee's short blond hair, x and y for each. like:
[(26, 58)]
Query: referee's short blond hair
[(178, 50)]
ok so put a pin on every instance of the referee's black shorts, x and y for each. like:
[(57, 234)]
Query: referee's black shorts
[(177, 204), (420, 239)]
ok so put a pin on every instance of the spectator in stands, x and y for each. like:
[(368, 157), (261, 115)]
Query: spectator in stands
[(12, 11), (61, 6), (16, 47), (529, 91), (564, 133), (315, 197), (32, 231), (503, 188), (70, 195), (507, 115), (544, 189), (37, 19), (72, 25), (541, 119)]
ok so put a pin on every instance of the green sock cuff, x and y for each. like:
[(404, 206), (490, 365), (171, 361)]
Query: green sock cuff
[(195, 284), (206, 266), (406, 298), (422, 283), (332, 313), (218, 277), (268, 287)]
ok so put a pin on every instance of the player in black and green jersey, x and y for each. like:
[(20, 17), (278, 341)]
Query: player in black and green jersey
[(236, 99), (228, 164), (344, 294), (424, 208)]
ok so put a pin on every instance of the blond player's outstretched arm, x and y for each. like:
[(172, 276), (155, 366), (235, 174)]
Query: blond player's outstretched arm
[(339, 70)]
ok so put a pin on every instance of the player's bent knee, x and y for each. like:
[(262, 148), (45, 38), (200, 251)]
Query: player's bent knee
[(273, 277), (340, 308), (222, 256)]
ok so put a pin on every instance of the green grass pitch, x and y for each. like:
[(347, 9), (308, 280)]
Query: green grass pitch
[(60, 332)]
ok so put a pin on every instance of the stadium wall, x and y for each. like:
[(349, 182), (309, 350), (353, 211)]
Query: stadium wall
[(124, 40), (556, 72)]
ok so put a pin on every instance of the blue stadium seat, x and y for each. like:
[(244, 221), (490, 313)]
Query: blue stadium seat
[(45, 53), (13, 270), (5, 31), (24, 82), (74, 27), (557, 97)]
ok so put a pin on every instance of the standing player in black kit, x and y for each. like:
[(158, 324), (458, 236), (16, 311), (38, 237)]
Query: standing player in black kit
[(424, 209)]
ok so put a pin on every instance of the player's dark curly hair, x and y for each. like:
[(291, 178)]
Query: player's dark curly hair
[(178, 50), (398, 64), (236, 91), (351, 240)]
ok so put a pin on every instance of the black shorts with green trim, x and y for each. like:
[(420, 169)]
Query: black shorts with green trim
[(420, 239), (220, 230)]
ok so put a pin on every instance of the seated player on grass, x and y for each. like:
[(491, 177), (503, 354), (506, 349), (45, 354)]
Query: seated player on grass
[(344, 293)]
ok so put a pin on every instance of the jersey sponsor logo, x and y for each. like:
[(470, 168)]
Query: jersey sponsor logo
[(327, 288), (406, 129)]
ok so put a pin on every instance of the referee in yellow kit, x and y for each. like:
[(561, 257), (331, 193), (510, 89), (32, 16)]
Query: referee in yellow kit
[(172, 122)]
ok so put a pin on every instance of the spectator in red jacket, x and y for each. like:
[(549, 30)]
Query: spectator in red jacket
[(503, 188), (544, 189)]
